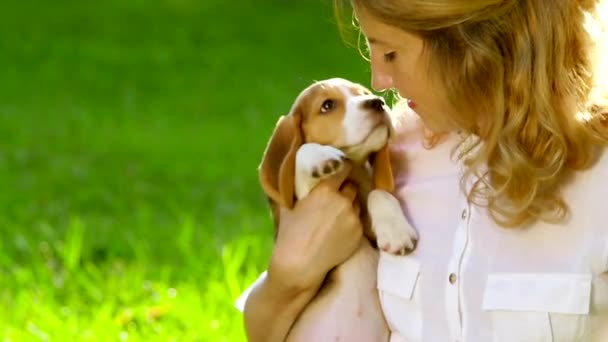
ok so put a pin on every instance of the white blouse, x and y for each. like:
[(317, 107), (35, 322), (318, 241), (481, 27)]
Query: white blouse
[(470, 280)]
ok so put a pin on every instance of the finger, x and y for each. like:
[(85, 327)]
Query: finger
[(349, 190), (334, 182)]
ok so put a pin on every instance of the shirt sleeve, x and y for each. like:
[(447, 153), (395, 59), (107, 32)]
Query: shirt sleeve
[(240, 301)]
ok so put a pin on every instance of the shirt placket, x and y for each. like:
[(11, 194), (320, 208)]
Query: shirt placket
[(453, 276)]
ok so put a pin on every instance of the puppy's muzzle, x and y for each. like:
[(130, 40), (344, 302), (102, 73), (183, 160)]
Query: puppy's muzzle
[(375, 104)]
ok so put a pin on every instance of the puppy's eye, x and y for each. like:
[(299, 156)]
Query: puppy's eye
[(327, 106)]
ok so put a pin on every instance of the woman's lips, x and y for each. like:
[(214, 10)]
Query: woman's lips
[(411, 104)]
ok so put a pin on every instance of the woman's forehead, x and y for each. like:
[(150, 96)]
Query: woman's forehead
[(378, 33)]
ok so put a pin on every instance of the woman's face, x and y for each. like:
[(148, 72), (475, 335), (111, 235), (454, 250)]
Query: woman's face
[(398, 60)]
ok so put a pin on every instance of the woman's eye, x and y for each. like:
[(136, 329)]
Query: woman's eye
[(327, 106), (389, 57)]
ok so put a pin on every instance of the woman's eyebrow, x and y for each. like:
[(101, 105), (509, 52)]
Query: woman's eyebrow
[(376, 41)]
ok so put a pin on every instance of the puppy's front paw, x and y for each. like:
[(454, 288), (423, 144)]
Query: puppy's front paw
[(393, 233), (393, 237), (319, 161), (313, 163)]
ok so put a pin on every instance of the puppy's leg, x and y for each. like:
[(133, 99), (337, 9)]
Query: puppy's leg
[(393, 233), (313, 163)]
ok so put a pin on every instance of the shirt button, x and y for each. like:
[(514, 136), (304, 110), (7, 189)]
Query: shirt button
[(464, 214), (452, 278)]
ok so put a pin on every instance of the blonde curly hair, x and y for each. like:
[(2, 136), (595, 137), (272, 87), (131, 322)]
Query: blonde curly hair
[(533, 68)]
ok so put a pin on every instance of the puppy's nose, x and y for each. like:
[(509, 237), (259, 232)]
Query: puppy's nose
[(376, 104)]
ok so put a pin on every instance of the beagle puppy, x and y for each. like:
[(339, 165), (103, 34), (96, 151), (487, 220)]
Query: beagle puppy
[(332, 121)]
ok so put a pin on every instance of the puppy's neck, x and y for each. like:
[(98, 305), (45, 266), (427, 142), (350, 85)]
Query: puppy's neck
[(361, 175), (374, 142), (358, 154)]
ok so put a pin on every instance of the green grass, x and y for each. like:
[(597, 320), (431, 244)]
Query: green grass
[(131, 131)]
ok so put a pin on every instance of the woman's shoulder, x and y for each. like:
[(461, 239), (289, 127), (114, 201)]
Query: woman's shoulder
[(597, 173), (602, 162), (588, 189)]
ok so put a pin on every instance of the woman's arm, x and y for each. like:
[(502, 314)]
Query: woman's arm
[(320, 232), (274, 303)]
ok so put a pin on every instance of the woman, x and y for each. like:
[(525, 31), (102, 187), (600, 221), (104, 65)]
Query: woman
[(510, 200)]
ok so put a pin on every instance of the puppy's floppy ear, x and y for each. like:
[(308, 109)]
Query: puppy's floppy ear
[(382, 170), (381, 162), (277, 169)]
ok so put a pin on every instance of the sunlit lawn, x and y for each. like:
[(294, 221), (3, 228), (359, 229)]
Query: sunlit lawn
[(130, 133)]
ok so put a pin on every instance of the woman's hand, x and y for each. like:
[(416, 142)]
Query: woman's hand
[(319, 233)]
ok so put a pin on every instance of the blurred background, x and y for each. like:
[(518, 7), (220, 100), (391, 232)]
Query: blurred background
[(130, 135)]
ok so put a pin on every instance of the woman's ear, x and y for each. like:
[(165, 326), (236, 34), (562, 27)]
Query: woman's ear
[(277, 169), (382, 170)]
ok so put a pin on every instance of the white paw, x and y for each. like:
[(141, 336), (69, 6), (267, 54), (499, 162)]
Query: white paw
[(313, 163), (319, 161), (393, 233)]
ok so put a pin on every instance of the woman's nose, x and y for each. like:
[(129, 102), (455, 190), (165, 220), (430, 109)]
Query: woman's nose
[(380, 80)]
